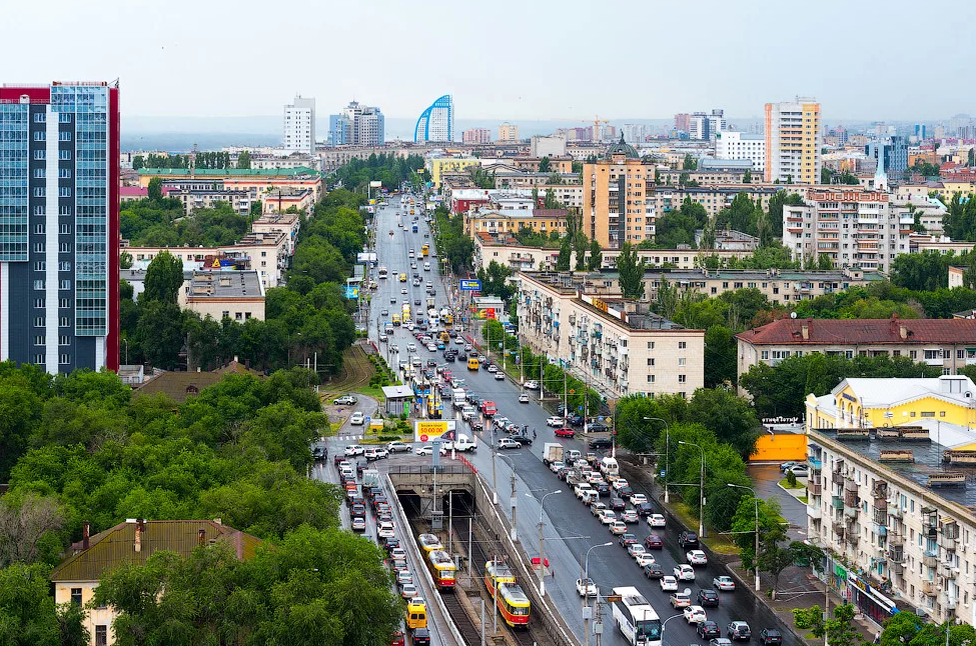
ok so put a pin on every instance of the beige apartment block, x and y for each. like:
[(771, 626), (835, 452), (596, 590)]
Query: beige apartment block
[(616, 194), (714, 197), (617, 346), (236, 295)]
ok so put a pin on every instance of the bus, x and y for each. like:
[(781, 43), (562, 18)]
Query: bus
[(425, 250), (636, 618), (384, 272), (442, 568)]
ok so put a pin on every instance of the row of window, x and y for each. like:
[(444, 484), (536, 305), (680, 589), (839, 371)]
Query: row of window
[(40, 154), (64, 229), (42, 340), (64, 359), (41, 285), (41, 303), (41, 173), (63, 191), (41, 135), (682, 379), (40, 321), (63, 117), (41, 209)]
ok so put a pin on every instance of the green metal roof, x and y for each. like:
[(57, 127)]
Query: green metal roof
[(232, 172)]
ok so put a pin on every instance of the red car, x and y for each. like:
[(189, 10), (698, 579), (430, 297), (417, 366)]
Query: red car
[(488, 408), (397, 638), (565, 432), (653, 542)]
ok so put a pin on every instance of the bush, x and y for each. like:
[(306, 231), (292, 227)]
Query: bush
[(791, 479)]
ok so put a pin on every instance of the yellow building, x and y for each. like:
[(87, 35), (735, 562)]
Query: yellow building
[(793, 142), (439, 166), (616, 203)]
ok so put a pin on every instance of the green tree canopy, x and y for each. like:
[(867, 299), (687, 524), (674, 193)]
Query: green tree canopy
[(631, 272), (164, 278)]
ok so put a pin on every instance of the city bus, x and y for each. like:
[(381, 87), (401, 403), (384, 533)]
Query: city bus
[(636, 618), (442, 568)]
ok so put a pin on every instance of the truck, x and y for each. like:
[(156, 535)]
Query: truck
[(462, 444), (459, 396), (371, 479), (552, 452)]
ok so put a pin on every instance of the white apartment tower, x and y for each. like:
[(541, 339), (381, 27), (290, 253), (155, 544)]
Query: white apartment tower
[(299, 126), (741, 145)]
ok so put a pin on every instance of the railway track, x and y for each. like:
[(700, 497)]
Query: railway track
[(470, 632)]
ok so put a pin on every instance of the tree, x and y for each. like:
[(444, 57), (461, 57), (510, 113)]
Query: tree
[(747, 177), (25, 521), (731, 418), (28, 615), (596, 256), (565, 255), (545, 165), (155, 189), (164, 278), (125, 260), (690, 163), (631, 272), (839, 631), (720, 356), (138, 162), (244, 159)]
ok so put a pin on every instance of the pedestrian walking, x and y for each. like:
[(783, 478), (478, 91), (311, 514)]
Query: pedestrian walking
[(533, 434), (877, 637)]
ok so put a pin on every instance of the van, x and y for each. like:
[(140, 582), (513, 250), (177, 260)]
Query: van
[(473, 363), (416, 615), (609, 467)]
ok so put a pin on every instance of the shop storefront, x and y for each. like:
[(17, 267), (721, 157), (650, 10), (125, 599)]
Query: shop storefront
[(869, 600)]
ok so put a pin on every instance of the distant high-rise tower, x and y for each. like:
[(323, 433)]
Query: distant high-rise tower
[(59, 211), (705, 126), (682, 121), (357, 124), (299, 125), (436, 123), (793, 142), (508, 132), (920, 131)]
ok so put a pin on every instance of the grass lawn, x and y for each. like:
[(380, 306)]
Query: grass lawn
[(786, 485), (719, 543), (372, 391)]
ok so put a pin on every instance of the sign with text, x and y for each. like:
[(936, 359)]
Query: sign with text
[(431, 430), (468, 285)]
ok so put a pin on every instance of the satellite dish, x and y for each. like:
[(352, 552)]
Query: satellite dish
[(792, 315)]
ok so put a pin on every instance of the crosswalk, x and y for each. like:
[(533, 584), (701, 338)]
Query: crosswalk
[(348, 438)]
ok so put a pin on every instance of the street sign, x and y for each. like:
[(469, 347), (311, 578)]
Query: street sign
[(368, 419), (468, 285)]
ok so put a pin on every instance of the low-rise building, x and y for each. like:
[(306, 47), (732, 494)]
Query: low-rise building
[(235, 295), (239, 201), (617, 346), (919, 243), (132, 543), (949, 344), (280, 200), (888, 497), (714, 197), (438, 166), (542, 221), (957, 276), (252, 180), (279, 222)]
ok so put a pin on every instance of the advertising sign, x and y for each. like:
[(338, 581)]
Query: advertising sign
[(430, 430), (489, 312), (375, 184), (470, 285)]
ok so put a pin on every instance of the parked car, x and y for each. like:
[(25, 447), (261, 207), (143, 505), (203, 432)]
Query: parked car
[(600, 443), (786, 466), (345, 400), (531, 385), (398, 447), (429, 450)]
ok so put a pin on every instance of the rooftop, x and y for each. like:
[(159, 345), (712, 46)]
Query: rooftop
[(178, 386), (225, 284), (863, 331), (300, 171), (398, 392)]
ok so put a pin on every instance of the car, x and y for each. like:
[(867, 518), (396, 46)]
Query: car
[(680, 599), (709, 629), (385, 312), (724, 583), (653, 542), (403, 291), (398, 553), (634, 549), (684, 572), (597, 508), (353, 449), (696, 557), (554, 421), (357, 418), (345, 400), (397, 639), (643, 508), (581, 490), (429, 450), (411, 347), (618, 527), (386, 530), (607, 517), (404, 576), (635, 498), (786, 466), (644, 559), (739, 631), (564, 432), (770, 637), (688, 540), (597, 427), (492, 368), (557, 467), (408, 591), (523, 398), (694, 614), (376, 453), (398, 447), (619, 483), (469, 348), (499, 376), (629, 516), (531, 385), (586, 588), (421, 637), (458, 341), (668, 584), (600, 443), (358, 509), (656, 520), (359, 524), (508, 443), (653, 570), (707, 598), (384, 338), (800, 471), (626, 539), (719, 641), (524, 440)]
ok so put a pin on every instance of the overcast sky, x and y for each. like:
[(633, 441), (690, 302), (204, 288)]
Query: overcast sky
[(505, 59)]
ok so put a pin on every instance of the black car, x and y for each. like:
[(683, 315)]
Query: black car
[(597, 427), (768, 637), (625, 492), (389, 544), (707, 598), (653, 571), (602, 489), (319, 454), (617, 503), (524, 440), (709, 630), (644, 509), (600, 443), (626, 539), (421, 637), (739, 631), (688, 540)]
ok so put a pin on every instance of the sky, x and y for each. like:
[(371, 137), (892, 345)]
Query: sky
[(505, 59)]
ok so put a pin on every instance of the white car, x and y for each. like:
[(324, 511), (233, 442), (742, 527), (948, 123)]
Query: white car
[(354, 449), (493, 368), (637, 498), (411, 347), (669, 584), (531, 385), (586, 587), (556, 466), (432, 347), (458, 341), (697, 557), (656, 520), (499, 376), (523, 398), (357, 419), (680, 599), (644, 559), (684, 572), (508, 443), (629, 516), (429, 450), (724, 583), (606, 516), (694, 614), (635, 550), (617, 527), (384, 338), (620, 483), (408, 591), (554, 421), (386, 530), (403, 291)]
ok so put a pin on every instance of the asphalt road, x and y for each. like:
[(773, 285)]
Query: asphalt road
[(568, 527)]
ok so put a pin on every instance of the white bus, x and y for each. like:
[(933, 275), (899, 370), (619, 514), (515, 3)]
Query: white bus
[(636, 618)]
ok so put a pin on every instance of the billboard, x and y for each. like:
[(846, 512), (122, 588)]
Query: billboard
[(470, 285), (433, 430), (375, 184), (352, 291)]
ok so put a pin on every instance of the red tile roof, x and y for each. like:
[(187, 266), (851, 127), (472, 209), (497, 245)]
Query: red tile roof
[(863, 331)]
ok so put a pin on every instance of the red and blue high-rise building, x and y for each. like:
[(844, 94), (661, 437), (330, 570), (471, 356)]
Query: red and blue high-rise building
[(59, 225)]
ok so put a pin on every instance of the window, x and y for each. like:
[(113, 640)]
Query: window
[(40, 210), (64, 136), (40, 265), (650, 362), (682, 345), (682, 379), (101, 635), (40, 154), (913, 354), (40, 135), (64, 173), (39, 359), (650, 379), (40, 340), (225, 314), (64, 359), (39, 191), (65, 285), (39, 303), (765, 355), (64, 340), (928, 413), (64, 303), (39, 229), (238, 316), (64, 117), (64, 191), (64, 155), (76, 596), (64, 322), (39, 285), (40, 117), (650, 345), (933, 354)]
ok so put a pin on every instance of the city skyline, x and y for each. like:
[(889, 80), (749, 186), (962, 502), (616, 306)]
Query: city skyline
[(749, 76)]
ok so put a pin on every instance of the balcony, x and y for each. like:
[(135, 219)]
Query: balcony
[(851, 512), (930, 560), (898, 567), (839, 528), (814, 488), (815, 462), (896, 538), (930, 589), (949, 544), (837, 502), (948, 570)]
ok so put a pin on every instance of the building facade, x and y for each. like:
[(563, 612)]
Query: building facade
[(705, 127), (59, 212), (618, 348), (793, 142), (616, 195), (475, 136), (436, 123), (299, 126), (892, 149), (741, 145), (358, 125), (851, 226), (507, 133), (551, 146)]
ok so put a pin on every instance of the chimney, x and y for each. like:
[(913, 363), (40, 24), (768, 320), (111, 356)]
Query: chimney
[(201, 537), (806, 332), (217, 520), (903, 330), (85, 534), (139, 528)]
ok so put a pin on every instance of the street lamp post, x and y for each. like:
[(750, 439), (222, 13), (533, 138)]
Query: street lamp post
[(667, 454), (664, 624), (586, 596), (701, 489), (756, 555), (542, 560), (494, 487)]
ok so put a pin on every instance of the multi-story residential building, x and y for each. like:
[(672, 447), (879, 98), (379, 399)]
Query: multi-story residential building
[(506, 177), (551, 146), (793, 142), (711, 176), (236, 179), (488, 220), (920, 243), (507, 133), (930, 212), (294, 160), (438, 166), (714, 198), (299, 126), (946, 343), (476, 136), (888, 498), (282, 199), (277, 221), (235, 295), (436, 123), (682, 122), (851, 226), (616, 191), (59, 209), (239, 201), (617, 346), (561, 164), (358, 125), (741, 145), (705, 127)]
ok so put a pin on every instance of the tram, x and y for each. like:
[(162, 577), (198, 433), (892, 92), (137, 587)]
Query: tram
[(442, 568), (512, 602)]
